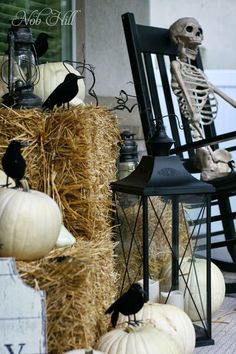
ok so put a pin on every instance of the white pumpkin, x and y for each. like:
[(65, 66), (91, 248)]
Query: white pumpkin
[(3, 89), (189, 270), (138, 340), (3, 180), (84, 351), (171, 320), (30, 222), (53, 74), (3, 85), (65, 238)]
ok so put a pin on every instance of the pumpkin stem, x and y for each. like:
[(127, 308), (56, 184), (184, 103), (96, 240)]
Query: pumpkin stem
[(129, 329), (25, 185), (88, 351)]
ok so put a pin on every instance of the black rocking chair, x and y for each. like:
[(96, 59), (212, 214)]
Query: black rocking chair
[(150, 52)]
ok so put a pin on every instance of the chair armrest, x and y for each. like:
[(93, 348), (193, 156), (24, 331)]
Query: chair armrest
[(204, 142)]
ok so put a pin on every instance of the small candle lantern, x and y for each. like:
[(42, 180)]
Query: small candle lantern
[(128, 159)]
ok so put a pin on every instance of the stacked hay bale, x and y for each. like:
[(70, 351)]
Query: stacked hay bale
[(71, 156)]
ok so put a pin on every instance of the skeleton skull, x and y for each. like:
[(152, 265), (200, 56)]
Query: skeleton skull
[(188, 35)]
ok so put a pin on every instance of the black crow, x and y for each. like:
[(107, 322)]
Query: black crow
[(13, 162), (64, 92), (128, 304), (41, 44)]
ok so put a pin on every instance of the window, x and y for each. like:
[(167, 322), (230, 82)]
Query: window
[(50, 16)]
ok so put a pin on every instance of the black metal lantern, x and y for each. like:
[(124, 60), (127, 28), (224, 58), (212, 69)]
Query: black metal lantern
[(18, 68), (163, 186), (128, 159)]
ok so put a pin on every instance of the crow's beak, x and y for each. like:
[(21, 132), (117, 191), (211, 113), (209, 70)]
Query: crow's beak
[(142, 291), (80, 77), (23, 144)]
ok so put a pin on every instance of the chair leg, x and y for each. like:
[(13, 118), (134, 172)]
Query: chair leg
[(230, 288), (228, 224)]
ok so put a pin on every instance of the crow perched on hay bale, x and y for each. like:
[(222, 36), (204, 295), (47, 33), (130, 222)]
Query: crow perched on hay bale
[(64, 92)]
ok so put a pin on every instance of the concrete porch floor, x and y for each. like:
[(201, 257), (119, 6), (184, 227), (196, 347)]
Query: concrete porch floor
[(223, 325)]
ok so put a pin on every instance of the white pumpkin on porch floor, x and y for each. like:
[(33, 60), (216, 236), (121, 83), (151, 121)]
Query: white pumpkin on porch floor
[(138, 340), (169, 319), (189, 270)]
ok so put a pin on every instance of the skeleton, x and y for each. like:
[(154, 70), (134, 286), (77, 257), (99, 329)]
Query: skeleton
[(196, 96)]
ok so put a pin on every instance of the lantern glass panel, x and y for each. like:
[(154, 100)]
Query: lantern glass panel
[(24, 71), (26, 68)]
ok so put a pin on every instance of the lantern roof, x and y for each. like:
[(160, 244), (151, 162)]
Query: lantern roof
[(161, 175)]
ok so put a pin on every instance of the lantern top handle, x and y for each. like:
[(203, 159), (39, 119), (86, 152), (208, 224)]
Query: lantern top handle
[(160, 143), (19, 22), (21, 30)]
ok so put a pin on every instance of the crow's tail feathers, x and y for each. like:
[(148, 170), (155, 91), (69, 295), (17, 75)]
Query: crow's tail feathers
[(114, 318), (110, 309)]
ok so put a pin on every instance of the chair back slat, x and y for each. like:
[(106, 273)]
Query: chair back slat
[(155, 102), (173, 119), (140, 83)]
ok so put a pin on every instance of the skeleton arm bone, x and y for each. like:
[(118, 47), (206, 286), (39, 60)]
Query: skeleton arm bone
[(176, 71), (220, 93), (223, 95)]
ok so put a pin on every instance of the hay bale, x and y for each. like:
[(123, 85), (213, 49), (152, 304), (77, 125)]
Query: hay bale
[(79, 285), (71, 156)]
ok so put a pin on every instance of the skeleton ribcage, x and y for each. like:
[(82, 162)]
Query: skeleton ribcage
[(204, 103)]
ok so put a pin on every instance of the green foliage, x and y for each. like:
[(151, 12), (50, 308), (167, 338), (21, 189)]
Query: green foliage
[(30, 9)]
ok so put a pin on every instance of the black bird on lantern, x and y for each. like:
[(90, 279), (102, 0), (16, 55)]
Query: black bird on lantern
[(13, 162), (41, 44), (64, 92), (128, 304)]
